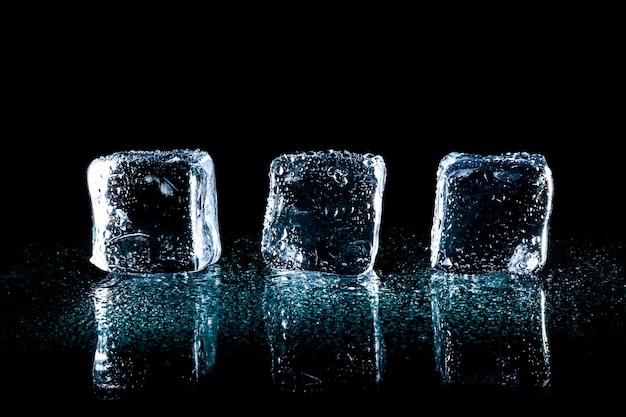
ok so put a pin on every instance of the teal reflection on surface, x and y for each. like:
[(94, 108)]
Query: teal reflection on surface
[(56, 308), (324, 332), (490, 330), (153, 331)]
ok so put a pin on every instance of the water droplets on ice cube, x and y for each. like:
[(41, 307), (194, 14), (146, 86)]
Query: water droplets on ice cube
[(491, 213), (323, 211)]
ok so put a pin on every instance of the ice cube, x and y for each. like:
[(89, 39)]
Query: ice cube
[(323, 212), (491, 213), (154, 211)]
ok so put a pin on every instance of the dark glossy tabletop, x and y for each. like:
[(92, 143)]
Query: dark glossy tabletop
[(403, 334)]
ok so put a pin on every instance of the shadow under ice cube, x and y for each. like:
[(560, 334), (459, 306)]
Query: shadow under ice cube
[(491, 213), (323, 212), (154, 211)]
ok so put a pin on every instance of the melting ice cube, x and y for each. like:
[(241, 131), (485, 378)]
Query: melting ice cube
[(491, 213), (323, 212), (154, 211)]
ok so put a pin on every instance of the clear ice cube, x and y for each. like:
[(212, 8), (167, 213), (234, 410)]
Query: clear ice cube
[(323, 212), (491, 213), (154, 211)]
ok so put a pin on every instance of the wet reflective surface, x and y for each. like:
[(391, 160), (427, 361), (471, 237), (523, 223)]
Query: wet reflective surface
[(404, 335)]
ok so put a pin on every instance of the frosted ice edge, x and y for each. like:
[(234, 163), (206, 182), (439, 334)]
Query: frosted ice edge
[(491, 213), (154, 211), (323, 212)]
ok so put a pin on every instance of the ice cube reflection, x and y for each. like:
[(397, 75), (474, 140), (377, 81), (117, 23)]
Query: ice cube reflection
[(324, 332), (154, 332), (490, 331)]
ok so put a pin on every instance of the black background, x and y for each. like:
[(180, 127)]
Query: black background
[(247, 90)]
